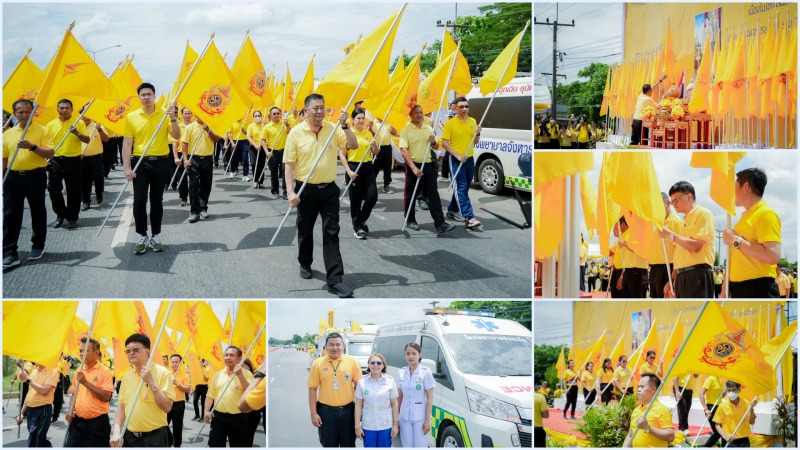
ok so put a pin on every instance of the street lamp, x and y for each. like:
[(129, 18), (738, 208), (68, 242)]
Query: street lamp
[(95, 52)]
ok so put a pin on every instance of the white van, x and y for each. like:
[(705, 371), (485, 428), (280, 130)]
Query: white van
[(507, 133), (359, 346), (482, 367)]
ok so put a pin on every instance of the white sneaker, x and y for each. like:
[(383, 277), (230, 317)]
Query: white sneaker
[(230, 174), (246, 178), (155, 243)]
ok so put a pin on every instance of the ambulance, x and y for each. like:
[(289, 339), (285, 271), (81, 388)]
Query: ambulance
[(482, 368), (359, 345), (507, 135)]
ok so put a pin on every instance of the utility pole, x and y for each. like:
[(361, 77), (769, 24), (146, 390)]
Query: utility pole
[(555, 26), (454, 26)]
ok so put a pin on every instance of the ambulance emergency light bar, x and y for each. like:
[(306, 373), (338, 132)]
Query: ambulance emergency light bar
[(457, 312)]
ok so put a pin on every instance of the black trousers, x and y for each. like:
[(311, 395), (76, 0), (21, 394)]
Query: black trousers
[(276, 171), (38, 424), (363, 193), (684, 405), (253, 419), (201, 173), (175, 416), (338, 425), (92, 175), (230, 427), (428, 188), (239, 155), (383, 161), (617, 293), (592, 283), (89, 432), (446, 166), (539, 437), (715, 437), (583, 278), (65, 172), (605, 397), (199, 399), (21, 186), (58, 397), (156, 438), (697, 283), (572, 400), (259, 160), (152, 176), (633, 284), (603, 284), (765, 287), (110, 150), (589, 396), (741, 442), (320, 200), (636, 131), (717, 290), (176, 172), (658, 279)]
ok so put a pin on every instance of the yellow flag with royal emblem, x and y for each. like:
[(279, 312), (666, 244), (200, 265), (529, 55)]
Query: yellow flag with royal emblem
[(403, 92), (36, 331), (226, 329), (122, 319), (285, 95), (212, 93), (131, 75), (24, 83), (721, 346), (200, 322), (673, 343), (251, 75), (189, 59), (775, 347), (77, 331), (723, 176), (432, 88), (111, 114)]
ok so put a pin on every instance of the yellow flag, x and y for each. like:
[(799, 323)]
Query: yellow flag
[(548, 223), (635, 187), (189, 58), (192, 361), (554, 166), (121, 364), (200, 322), (432, 88), (618, 350), (774, 348), (251, 318), (213, 94), (72, 72), (305, 88), (589, 204), (226, 329), (338, 85), (131, 74), (249, 72), (606, 93), (36, 331), (720, 346), (491, 79), (702, 84), (669, 57), (285, 96), (112, 114), (561, 365), (405, 90), (323, 325), (723, 176), (651, 343), (399, 67), (608, 212), (460, 80), (24, 83), (77, 331), (673, 343), (122, 319)]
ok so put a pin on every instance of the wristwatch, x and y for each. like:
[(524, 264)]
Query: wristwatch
[(345, 126), (738, 242), (154, 388), (34, 147)]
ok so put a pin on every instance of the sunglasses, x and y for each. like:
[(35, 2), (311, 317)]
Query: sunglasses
[(375, 363), (462, 106), (130, 351)]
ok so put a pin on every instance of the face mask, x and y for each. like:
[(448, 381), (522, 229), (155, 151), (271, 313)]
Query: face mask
[(733, 395), (257, 119)]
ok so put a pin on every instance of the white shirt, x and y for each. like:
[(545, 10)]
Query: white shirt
[(376, 415), (414, 387)]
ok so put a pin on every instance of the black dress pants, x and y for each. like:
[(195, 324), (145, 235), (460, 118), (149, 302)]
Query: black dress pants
[(383, 161), (228, 427), (175, 416), (89, 432), (363, 193), (320, 200), (92, 175), (201, 173), (765, 287), (151, 177), (338, 425), (276, 171), (428, 188), (65, 172), (21, 186)]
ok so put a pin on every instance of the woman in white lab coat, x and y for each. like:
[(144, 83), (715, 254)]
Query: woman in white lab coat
[(376, 405), (415, 385)]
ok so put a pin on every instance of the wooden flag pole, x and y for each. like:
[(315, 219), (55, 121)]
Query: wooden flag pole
[(153, 138), (336, 126), (83, 367)]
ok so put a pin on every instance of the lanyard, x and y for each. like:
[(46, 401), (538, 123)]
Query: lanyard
[(335, 368)]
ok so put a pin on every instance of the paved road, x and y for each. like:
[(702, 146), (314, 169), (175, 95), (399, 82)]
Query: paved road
[(58, 430), (228, 255)]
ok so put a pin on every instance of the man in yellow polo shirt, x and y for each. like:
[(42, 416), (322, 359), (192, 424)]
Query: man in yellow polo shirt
[(729, 415), (414, 141), (273, 139), (540, 412), (634, 267), (148, 424), (153, 173), (92, 164), (659, 264), (38, 404), (89, 425), (332, 383), (182, 387), (26, 180), (643, 101), (694, 245), (228, 422), (655, 430), (198, 139), (64, 170), (255, 396), (320, 197), (459, 138), (755, 241), (710, 396)]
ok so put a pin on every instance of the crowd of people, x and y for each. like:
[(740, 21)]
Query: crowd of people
[(572, 133), (232, 400)]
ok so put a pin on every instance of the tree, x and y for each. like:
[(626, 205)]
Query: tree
[(517, 311), (585, 96), (296, 338), (545, 356)]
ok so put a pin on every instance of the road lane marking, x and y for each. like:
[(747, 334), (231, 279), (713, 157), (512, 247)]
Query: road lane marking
[(121, 235)]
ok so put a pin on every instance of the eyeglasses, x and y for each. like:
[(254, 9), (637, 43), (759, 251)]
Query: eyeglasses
[(675, 200), (462, 106), (375, 363), (317, 108), (652, 358), (132, 350)]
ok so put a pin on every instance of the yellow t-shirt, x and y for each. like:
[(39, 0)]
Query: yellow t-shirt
[(461, 135), (229, 403), (583, 134), (588, 379), (181, 126), (616, 260), (236, 131), (56, 130), (385, 136), (197, 141), (415, 139), (303, 147), (642, 102), (257, 398), (45, 377), (718, 277), (565, 139), (293, 121), (544, 137), (147, 416), (606, 377), (728, 416), (569, 375), (648, 368), (699, 224), (623, 376), (142, 127), (87, 406), (629, 258), (794, 285), (583, 253), (683, 380), (758, 225), (324, 372), (254, 132), (659, 417), (364, 139), (674, 223), (783, 284), (275, 135), (544, 391), (713, 389), (95, 145), (26, 159), (539, 406), (183, 379)]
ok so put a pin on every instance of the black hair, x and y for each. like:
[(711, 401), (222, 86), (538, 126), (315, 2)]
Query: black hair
[(622, 221), (416, 105), (140, 338), (94, 342), (654, 380), (174, 355), (310, 98), (356, 112), (684, 187), (650, 352), (415, 346), (65, 101), (238, 350), (646, 88), (619, 360), (333, 336), (146, 86), (21, 101), (606, 369), (273, 108), (459, 100), (755, 177), (732, 384)]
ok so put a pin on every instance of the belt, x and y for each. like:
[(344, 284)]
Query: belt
[(318, 185), (27, 172), (696, 266), (145, 433), (152, 158), (276, 150), (66, 157), (203, 157), (335, 408), (630, 269)]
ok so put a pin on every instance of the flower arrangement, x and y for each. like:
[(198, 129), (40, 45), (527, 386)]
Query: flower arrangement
[(666, 101), (678, 112), (648, 112)]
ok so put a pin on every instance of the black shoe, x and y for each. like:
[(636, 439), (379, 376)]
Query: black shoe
[(365, 227), (58, 223), (36, 253), (360, 233), (305, 272), (387, 190), (413, 225), (84, 206), (445, 228), (423, 204), (54, 420), (204, 215), (184, 202), (72, 224), (99, 198), (10, 261), (193, 217), (341, 290)]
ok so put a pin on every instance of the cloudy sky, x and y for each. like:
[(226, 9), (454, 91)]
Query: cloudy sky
[(596, 36), (157, 32)]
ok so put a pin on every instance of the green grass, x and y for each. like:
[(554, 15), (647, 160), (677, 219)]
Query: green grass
[(7, 384)]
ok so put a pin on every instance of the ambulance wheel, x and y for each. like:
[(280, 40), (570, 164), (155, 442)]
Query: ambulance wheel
[(492, 178), (451, 437)]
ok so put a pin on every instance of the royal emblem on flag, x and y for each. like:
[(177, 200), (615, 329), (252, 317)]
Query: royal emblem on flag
[(725, 349), (258, 82), (31, 95), (426, 93), (215, 100), (70, 69), (139, 322), (412, 102), (120, 110), (191, 318)]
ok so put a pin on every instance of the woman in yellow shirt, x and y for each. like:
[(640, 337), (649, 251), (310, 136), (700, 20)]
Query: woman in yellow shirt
[(589, 381), (570, 378), (363, 191), (606, 375), (257, 155), (583, 133)]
